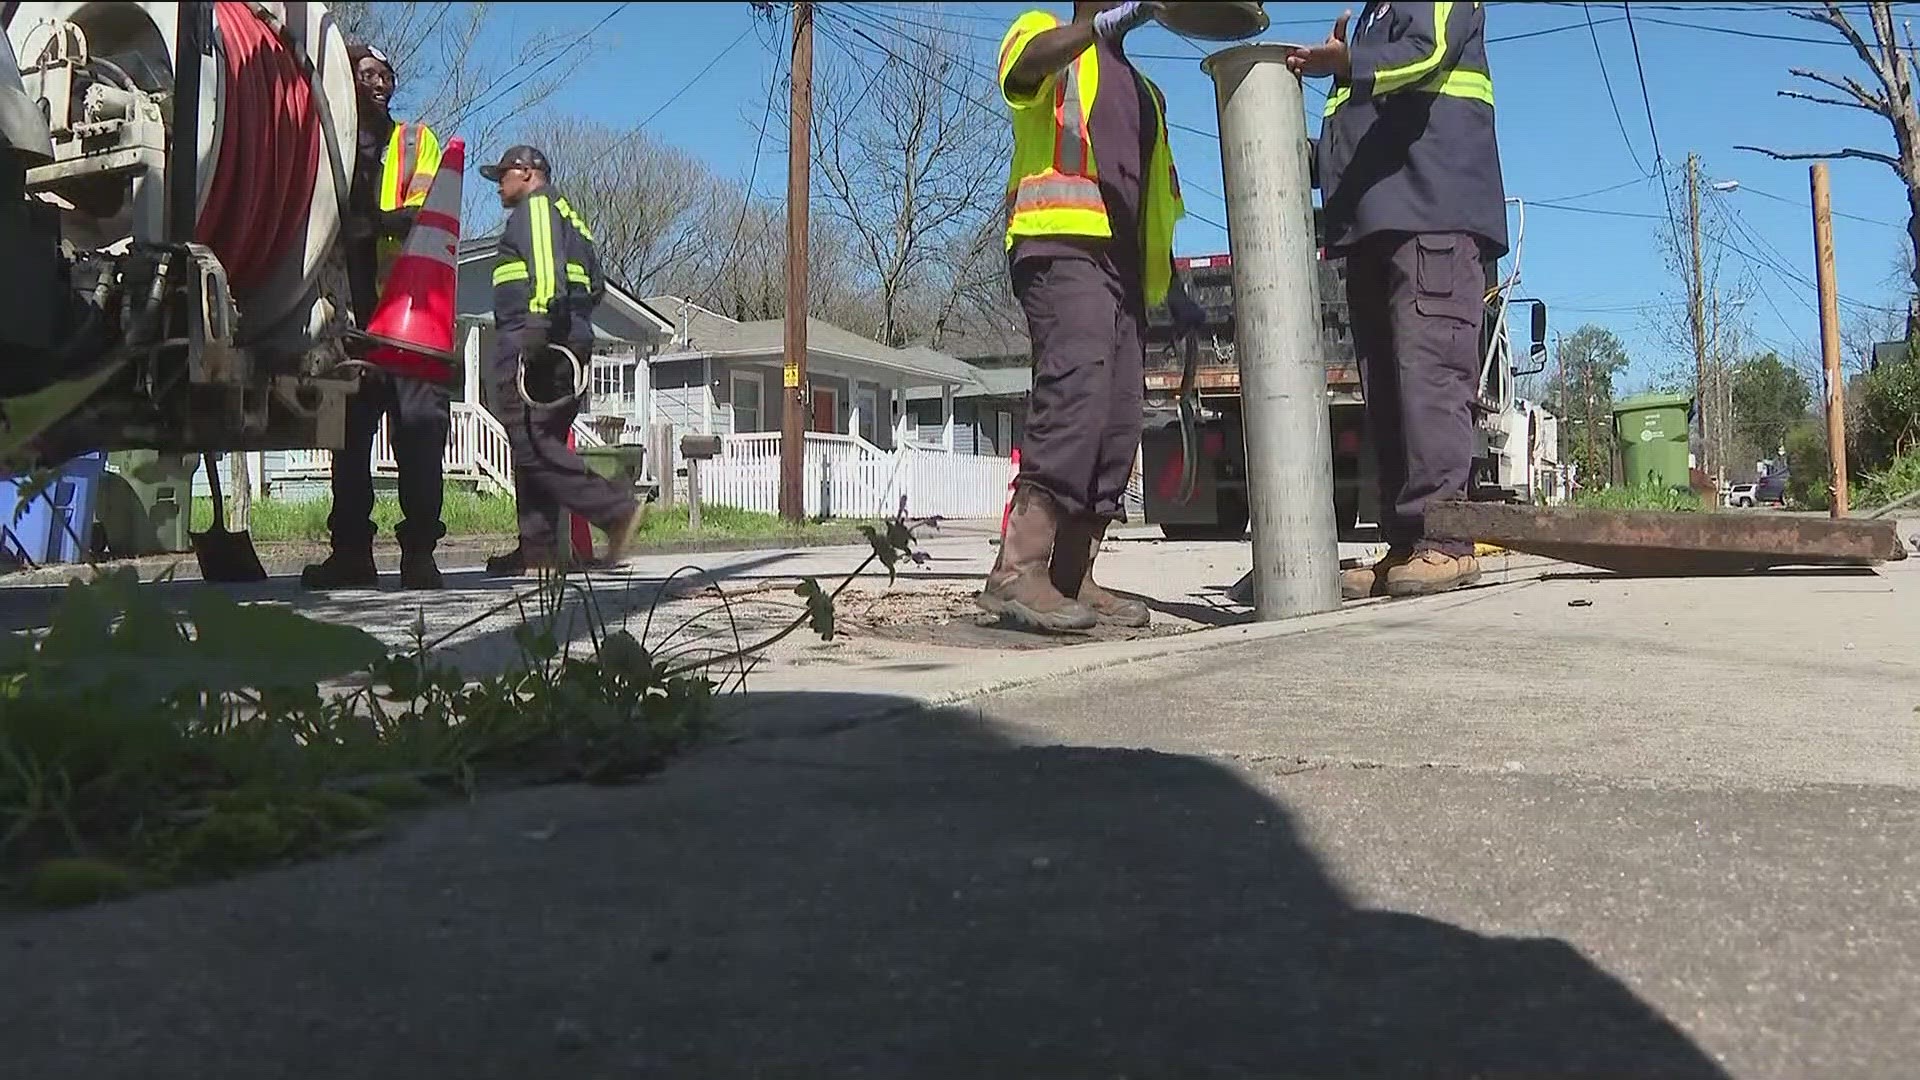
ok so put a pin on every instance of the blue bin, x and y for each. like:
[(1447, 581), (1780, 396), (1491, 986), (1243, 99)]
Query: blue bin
[(57, 525)]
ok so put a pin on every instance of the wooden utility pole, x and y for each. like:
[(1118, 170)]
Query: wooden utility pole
[(1696, 312), (793, 425), (1719, 369), (1830, 338)]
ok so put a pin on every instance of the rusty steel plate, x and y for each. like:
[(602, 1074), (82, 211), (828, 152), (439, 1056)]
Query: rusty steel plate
[(1655, 542)]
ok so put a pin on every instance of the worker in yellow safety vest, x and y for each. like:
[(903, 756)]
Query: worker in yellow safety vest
[(393, 168), (1091, 204)]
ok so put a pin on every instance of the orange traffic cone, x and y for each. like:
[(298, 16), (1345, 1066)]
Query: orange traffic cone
[(414, 322), (1012, 486)]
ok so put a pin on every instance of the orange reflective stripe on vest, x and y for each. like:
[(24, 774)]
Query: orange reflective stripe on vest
[(1071, 183)]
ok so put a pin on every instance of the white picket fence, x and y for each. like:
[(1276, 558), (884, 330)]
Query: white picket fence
[(477, 450), (846, 476)]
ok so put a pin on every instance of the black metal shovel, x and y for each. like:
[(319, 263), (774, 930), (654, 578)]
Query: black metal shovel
[(226, 557)]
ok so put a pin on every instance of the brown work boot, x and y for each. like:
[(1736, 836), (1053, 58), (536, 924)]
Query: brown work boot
[(521, 561), (620, 537), (1018, 586), (1074, 553), (1429, 572), (1364, 581)]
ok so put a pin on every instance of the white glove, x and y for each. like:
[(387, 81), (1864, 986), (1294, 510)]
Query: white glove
[(1117, 21)]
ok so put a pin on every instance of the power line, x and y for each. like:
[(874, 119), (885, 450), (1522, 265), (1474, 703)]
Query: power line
[(701, 74), (1596, 210), (746, 196), (1647, 98), (1597, 191), (497, 96), (1744, 186), (1600, 58)]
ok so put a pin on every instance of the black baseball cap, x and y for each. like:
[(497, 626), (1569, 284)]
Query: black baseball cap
[(360, 50), (517, 157)]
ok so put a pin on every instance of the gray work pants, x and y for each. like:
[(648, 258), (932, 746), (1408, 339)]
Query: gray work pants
[(1084, 415), (1417, 303), (547, 476)]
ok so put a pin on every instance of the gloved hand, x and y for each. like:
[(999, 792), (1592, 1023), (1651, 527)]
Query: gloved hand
[(1116, 22), (1186, 314)]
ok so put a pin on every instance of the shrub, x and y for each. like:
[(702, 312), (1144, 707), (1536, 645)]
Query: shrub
[(1888, 415), (1807, 459)]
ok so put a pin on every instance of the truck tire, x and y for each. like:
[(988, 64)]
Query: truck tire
[(1230, 525)]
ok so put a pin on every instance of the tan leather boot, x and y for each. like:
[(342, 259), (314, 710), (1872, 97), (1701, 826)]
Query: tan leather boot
[(1074, 554), (1018, 586), (1364, 581), (1429, 572)]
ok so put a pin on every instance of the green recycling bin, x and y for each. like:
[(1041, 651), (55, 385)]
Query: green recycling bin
[(623, 463), (1652, 429), (144, 506)]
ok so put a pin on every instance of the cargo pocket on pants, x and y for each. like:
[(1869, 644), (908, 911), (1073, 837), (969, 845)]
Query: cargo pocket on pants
[(1442, 286)]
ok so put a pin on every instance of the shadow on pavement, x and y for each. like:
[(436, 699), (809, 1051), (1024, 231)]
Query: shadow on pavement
[(915, 896), (28, 606)]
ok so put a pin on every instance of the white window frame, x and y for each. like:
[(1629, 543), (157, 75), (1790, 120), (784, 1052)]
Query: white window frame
[(608, 383), (867, 399), (759, 381)]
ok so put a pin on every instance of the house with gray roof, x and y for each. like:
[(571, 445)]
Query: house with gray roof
[(988, 414), (718, 375)]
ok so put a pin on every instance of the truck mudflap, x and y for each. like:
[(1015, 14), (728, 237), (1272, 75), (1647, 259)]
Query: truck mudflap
[(1207, 467)]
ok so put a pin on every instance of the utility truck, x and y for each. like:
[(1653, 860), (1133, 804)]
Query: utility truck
[(172, 183), (1514, 448)]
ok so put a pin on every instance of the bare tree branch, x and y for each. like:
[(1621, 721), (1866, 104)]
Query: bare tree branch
[(1888, 160), (1862, 97), (910, 167), (1818, 100), (646, 201), (1836, 18), (445, 77)]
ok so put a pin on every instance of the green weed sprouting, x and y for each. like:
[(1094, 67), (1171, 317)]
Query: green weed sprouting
[(140, 746)]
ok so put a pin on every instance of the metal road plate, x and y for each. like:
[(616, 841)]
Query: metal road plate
[(1657, 542)]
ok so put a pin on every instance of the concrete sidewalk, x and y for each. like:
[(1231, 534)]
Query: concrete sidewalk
[(1560, 825)]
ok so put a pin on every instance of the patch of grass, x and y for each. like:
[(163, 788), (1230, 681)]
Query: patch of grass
[(470, 513), (142, 746), (465, 511), (726, 522), (1638, 498), (70, 881)]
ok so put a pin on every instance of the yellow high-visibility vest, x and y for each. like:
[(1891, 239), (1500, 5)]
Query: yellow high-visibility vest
[(1053, 188), (407, 171)]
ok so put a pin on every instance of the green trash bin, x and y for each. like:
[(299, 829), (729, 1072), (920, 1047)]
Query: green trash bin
[(622, 463), (145, 503), (1652, 429)]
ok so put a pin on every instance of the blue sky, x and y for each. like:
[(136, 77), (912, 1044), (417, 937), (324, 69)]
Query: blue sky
[(1711, 73)]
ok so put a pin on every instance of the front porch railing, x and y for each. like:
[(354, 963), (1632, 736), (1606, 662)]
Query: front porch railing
[(846, 476)]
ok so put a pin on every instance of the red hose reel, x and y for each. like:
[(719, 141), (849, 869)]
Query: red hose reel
[(263, 186)]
